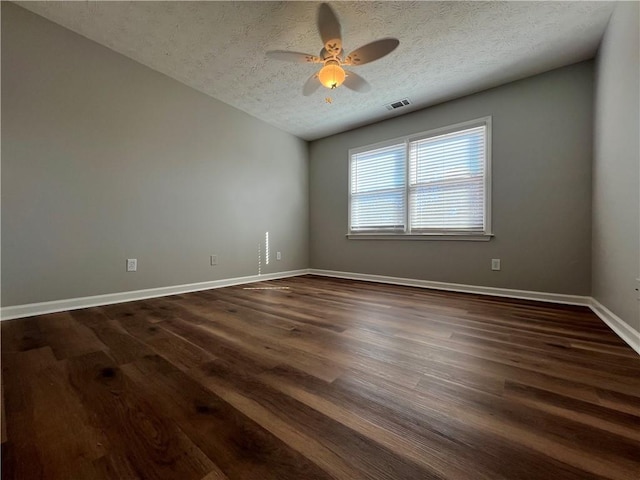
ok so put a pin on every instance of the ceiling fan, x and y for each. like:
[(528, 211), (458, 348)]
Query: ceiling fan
[(332, 74)]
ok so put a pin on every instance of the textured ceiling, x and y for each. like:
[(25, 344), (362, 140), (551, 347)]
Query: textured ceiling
[(447, 49)]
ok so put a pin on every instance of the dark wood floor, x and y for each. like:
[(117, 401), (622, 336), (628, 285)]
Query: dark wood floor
[(314, 378)]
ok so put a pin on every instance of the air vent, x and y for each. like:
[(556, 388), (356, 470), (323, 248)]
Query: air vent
[(399, 104)]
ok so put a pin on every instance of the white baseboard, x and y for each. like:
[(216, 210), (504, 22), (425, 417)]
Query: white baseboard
[(458, 287), (624, 331), (28, 310), (615, 323)]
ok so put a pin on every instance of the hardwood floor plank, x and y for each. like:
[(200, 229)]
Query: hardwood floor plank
[(469, 354), (34, 427), (215, 475), (3, 416), (116, 465), (153, 444), (180, 352), (20, 455), (21, 334), (17, 366), (317, 378), (435, 438), (147, 309), (282, 305), (78, 442), (595, 450), (373, 459), (299, 439), (614, 421), (66, 337), (487, 369), (613, 366), (620, 401), (493, 437), (426, 447), (237, 445), (122, 346), (263, 349), (318, 352)]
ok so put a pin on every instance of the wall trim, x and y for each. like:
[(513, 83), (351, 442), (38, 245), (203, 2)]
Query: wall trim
[(620, 328), (615, 323), (28, 310), (459, 287)]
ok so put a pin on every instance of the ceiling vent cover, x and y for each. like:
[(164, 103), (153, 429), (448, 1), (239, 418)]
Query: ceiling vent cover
[(399, 104)]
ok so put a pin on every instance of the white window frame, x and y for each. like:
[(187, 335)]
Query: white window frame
[(485, 235)]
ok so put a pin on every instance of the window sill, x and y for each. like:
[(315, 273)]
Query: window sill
[(478, 237)]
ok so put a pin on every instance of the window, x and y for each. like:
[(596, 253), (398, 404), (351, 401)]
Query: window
[(378, 192), (435, 184)]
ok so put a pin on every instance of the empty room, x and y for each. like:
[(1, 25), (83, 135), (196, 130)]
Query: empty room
[(302, 240)]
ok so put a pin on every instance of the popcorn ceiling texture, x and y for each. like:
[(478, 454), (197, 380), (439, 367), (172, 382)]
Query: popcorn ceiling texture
[(447, 49)]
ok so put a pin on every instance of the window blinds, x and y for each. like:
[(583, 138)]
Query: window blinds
[(378, 193), (447, 181), (429, 184)]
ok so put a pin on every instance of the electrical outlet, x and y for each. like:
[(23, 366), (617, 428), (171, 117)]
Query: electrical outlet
[(214, 260), (132, 264), (495, 264), (278, 256)]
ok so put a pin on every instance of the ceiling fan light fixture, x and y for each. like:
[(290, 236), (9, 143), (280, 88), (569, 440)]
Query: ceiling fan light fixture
[(331, 75)]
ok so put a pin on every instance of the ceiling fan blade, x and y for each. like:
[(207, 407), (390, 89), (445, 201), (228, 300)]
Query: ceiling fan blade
[(329, 27), (311, 85), (372, 51), (295, 57), (356, 82)]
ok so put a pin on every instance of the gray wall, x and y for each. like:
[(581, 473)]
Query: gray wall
[(616, 182), (542, 152), (104, 159)]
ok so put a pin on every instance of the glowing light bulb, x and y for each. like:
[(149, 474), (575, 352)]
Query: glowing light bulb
[(331, 75)]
